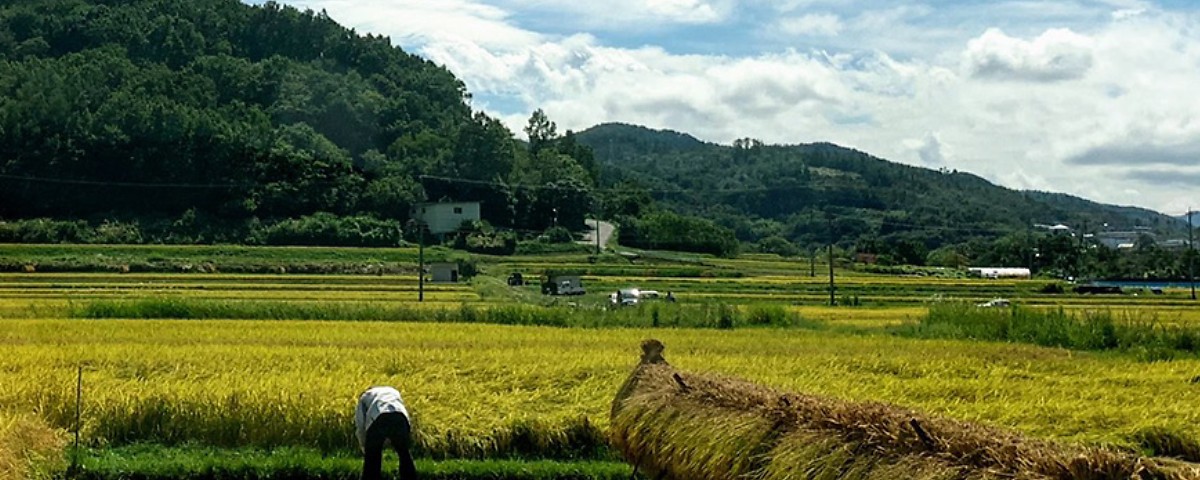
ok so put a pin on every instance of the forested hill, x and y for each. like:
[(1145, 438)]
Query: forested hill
[(228, 108), (216, 114), (794, 191), (205, 121)]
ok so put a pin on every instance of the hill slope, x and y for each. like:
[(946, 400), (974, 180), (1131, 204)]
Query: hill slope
[(154, 107), (795, 190)]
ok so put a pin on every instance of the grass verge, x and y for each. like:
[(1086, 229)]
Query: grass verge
[(153, 462)]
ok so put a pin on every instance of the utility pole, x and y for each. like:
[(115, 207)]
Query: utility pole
[(421, 262), (1082, 261), (812, 262), (597, 235), (1191, 255), (832, 287)]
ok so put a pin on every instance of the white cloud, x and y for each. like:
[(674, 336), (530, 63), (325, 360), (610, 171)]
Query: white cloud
[(685, 11), (816, 24), (625, 14), (1055, 55), (931, 150), (431, 23), (1023, 109), (1127, 13)]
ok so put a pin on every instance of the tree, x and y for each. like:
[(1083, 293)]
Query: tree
[(483, 150), (541, 131)]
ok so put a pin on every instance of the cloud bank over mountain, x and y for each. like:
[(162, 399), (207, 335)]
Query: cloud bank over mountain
[(1090, 97)]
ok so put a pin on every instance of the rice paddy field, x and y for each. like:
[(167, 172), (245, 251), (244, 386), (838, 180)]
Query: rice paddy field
[(511, 401)]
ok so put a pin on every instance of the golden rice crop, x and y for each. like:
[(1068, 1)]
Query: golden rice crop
[(28, 447), (680, 425), (480, 390)]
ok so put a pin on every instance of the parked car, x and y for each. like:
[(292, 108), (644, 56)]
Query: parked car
[(997, 303)]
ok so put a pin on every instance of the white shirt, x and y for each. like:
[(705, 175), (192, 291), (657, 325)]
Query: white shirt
[(374, 402)]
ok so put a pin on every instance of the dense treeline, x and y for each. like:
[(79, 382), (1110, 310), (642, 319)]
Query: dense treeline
[(213, 121), (158, 115)]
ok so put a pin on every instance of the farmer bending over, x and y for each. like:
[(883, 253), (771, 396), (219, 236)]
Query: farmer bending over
[(380, 417)]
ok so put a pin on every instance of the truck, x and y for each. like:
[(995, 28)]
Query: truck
[(557, 283)]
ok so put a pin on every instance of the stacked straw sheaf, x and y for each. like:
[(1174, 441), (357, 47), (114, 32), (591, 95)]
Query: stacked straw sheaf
[(675, 425)]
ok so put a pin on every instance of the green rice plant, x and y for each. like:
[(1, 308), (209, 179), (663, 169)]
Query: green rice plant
[(1132, 331), (696, 315), (154, 462), (1168, 442)]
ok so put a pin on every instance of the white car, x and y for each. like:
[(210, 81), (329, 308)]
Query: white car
[(997, 303), (625, 297)]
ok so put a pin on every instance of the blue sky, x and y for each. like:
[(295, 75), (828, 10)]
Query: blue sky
[(1095, 98)]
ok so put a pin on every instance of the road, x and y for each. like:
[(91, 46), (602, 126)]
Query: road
[(606, 232)]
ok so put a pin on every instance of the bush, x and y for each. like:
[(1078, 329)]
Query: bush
[(1054, 288), (45, 230), (495, 243), (670, 231), (779, 246), (558, 235), (481, 237), (326, 229)]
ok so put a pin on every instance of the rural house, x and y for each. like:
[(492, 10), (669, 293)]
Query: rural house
[(445, 217)]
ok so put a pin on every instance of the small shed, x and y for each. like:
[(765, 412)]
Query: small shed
[(443, 272)]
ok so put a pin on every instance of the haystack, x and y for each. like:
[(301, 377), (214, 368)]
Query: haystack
[(682, 426)]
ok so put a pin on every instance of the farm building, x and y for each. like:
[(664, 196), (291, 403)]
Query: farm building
[(562, 284), (1122, 240), (987, 272), (445, 217), (443, 272)]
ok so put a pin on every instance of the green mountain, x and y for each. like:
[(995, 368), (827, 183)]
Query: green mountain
[(157, 107), (204, 120), (215, 121), (805, 193)]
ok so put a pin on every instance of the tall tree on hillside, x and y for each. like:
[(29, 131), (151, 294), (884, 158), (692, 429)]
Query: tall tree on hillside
[(541, 132)]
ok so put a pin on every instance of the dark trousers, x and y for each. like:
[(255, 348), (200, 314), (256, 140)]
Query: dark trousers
[(394, 427)]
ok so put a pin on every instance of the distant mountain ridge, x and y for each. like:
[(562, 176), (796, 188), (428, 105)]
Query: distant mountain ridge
[(798, 191)]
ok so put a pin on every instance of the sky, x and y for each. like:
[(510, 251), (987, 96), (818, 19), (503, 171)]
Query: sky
[(1096, 98)]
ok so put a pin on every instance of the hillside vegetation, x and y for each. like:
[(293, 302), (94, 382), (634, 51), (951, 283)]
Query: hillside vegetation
[(198, 121), (810, 193), (213, 121)]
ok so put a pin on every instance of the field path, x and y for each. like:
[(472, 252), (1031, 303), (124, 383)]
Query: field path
[(606, 231)]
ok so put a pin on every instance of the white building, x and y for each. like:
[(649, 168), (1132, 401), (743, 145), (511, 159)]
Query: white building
[(1116, 240), (445, 217), (444, 272), (989, 272)]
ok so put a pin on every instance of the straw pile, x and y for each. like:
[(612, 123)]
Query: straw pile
[(675, 425)]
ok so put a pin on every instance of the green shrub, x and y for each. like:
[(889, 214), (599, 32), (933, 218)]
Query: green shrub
[(558, 235), (670, 231), (45, 230), (326, 229)]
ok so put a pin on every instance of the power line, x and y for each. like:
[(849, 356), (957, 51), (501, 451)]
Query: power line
[(698, 191), (99, 183), (497, 184)]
